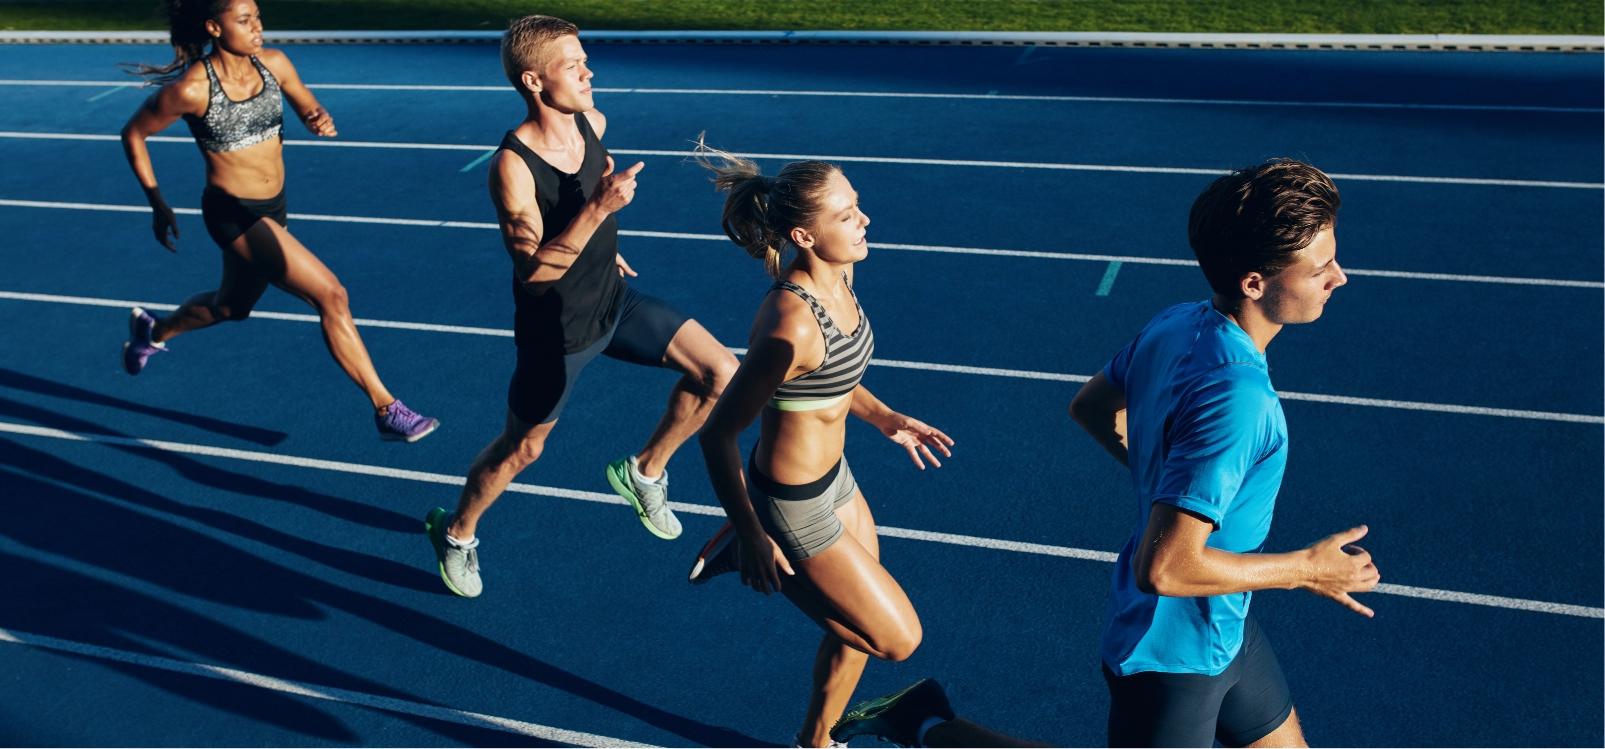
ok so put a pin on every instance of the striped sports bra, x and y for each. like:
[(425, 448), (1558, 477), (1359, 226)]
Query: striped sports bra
[(230, 125), (846, 358)]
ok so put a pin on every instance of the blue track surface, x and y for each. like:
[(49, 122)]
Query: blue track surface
[(117, 554)]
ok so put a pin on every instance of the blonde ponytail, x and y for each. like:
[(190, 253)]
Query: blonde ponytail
[(760, 211)]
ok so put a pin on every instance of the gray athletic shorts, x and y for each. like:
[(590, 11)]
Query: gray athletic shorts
[(801, 519)]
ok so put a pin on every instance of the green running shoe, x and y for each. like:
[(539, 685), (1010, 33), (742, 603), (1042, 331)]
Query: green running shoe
[(897, 717), (650, 499), (459, 563)]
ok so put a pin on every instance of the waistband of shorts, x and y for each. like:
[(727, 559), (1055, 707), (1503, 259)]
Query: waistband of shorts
[(793, 492), (217, 193)]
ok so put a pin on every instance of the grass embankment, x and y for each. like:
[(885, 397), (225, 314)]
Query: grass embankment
[(1584, 17)]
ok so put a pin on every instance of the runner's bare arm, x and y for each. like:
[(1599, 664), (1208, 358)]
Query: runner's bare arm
[(1175, 560), (538, 261), (187, 95), (784, 337), (910, 433), (313, 115), (1100, 408)]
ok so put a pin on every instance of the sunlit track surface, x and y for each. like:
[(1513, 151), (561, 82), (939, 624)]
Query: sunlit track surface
[(245, 559)]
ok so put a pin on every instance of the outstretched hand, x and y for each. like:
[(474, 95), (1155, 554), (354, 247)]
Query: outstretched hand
[(319, 122), (917, 438), (1338, 568)]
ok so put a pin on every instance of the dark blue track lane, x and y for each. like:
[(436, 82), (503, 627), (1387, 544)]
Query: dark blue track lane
[(1009, 433), (321, 576), (1376, 324), (1459, 229)]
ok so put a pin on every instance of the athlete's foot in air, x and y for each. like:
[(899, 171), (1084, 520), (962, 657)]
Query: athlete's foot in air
[(897, 717), (140, 346), (398, 423), (717, 557)]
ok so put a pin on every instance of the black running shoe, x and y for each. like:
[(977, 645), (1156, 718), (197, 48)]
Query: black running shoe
[(897, 717), (711, 563)]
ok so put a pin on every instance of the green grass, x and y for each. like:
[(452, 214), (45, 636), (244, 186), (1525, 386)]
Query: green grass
[(1584, 17)]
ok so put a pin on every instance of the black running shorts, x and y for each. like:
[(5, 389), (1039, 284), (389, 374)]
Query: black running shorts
[(1236, 707), (545, 375), (227, 217)]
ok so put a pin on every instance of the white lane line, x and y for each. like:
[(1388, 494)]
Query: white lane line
[(1019, 374), (1463, 278), (288, 316), (503, 88), (952, 539), (1101, 99), (1519, 604), (939, 249), (1446, 408), (861, 160), (302, 689), (1118, 168)]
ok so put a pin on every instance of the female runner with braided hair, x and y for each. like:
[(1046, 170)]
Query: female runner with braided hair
[(226, 86), (799, 522)]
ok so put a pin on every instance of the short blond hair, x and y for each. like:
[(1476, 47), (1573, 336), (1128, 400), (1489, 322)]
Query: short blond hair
[(524, 44)]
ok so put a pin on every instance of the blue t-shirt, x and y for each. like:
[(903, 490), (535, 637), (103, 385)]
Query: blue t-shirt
[(1204, 432)]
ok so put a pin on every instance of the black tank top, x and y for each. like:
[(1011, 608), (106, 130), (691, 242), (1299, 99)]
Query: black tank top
[(578, 308)]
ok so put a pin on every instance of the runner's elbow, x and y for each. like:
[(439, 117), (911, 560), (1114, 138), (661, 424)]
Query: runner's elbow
[(1160, 574), (715, 436)]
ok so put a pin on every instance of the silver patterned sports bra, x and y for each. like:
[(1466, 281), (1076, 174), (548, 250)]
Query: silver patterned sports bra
[(230, 125)]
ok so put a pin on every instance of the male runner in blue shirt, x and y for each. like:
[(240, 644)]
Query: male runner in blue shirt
[(1189, 406)]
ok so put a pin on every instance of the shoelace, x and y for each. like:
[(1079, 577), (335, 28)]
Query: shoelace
[(471, 550), (401, 418), (654, 502)]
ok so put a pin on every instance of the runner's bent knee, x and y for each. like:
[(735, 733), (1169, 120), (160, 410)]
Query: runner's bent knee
[(331, 299), (900, 642), (223, 308), (718, 375)]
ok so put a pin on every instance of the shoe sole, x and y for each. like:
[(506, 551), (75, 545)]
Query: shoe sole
[(433, 517), (133, 332), (871, 710), (621, 486), (126, 368), (708, 550), (393, 437)]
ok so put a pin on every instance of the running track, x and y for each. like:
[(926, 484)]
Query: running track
[(219, 552)]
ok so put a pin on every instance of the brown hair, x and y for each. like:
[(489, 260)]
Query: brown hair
[(186, 29), (1256, 218), (524, 44), (759, 211)]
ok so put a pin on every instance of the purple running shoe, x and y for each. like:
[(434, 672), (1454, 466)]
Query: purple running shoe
[(399, 423), (139, 348)]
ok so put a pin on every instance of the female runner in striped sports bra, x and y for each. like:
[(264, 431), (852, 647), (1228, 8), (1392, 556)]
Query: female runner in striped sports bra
[(231, 102), (799, 522)]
